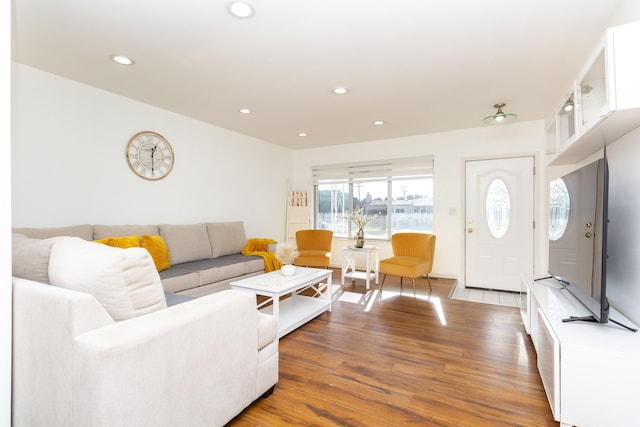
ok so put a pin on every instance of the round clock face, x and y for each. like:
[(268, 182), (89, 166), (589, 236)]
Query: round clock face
[(150, 155)]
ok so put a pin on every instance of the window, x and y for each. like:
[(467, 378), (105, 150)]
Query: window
[(498, 208), (399, 192)]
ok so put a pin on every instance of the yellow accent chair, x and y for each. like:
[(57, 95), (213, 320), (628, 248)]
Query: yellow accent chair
[(314, 248), (412, 257)]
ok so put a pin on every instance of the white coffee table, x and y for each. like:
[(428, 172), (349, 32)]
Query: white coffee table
[(295, 310)]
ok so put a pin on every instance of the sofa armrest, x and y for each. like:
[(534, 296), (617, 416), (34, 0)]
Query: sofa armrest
[(191, 364), (45, 321)]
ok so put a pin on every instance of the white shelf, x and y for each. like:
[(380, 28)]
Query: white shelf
[(606, 98), (297, 310), (609, 129), (362, 275), (297, 219), (589, 370)]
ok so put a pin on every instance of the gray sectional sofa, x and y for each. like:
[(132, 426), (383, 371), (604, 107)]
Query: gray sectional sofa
[(204, 257)]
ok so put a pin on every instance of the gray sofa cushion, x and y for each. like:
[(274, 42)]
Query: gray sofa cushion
[(254, 265), (226, 238), (84, 231), (186, 242), (205, 264), (173, 298), (30, 257), (181, 283), (104, 231)]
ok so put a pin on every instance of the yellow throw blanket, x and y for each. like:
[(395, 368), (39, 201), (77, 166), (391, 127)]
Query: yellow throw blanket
[(260, 247)]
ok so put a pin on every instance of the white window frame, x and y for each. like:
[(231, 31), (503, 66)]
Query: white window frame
[(391, 170)]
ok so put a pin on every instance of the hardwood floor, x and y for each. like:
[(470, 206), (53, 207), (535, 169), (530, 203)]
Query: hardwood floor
[(405, 361)]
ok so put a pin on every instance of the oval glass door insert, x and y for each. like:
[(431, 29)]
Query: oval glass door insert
[(559, 208), (498, 208)]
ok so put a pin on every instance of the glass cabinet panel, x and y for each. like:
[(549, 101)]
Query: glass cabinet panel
[(593, 93), (551, 137), (566, 121)]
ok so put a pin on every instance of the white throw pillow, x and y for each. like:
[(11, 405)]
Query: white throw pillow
[(124, 281)]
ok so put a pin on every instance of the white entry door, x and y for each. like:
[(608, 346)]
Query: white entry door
[(499, 222)]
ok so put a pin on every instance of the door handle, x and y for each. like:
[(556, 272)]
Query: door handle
[(469, 230), (588, 235)]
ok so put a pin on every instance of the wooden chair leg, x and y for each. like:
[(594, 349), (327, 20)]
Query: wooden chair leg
[(413, 281), (429, 282), (382, 283), (401, 284)]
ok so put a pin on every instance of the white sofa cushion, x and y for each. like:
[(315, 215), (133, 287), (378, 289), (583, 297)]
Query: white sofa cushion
[(124, 281)]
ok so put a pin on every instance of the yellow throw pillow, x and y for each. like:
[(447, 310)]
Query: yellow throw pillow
[(158, 249), (123, 242)]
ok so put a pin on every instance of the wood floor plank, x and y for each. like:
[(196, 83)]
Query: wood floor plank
[(400, 361)]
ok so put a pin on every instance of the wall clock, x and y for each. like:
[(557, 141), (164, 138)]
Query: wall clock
[(150, 155)]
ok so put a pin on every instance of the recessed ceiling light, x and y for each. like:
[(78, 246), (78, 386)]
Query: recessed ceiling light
[(378, 122), (245, 111), (302, 134), (240, 9), (123, 60), (340, 90)]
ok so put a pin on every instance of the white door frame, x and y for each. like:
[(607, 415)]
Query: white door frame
[(540, 231)]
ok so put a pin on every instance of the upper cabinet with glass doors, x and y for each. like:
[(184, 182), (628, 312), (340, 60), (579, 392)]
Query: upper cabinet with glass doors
[(604, 102)]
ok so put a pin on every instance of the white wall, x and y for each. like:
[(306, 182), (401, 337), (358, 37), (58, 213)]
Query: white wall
[(5, 215), (627, 11), (450, 151), (69, 163)]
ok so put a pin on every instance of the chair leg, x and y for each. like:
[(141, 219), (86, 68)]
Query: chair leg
[(401, 284), (382, 284), (414, 285)]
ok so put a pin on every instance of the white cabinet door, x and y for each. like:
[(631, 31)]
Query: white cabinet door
[(549, 363)]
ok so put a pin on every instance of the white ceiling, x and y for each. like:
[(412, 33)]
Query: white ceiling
[(422, 66)]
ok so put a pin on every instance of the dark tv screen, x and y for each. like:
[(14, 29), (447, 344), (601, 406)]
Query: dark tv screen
[(578, 235)]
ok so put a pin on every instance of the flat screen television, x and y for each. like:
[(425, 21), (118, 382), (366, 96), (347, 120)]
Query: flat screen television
[(578, 222), (577, 230)]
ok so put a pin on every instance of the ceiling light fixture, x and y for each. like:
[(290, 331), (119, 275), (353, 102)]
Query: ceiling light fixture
[(340, 90), (241, 9), (302, 134), (378, 122), (500, 117), (245, 111), (568, 106), (122, 60)]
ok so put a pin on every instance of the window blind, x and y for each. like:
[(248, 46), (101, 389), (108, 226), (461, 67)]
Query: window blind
[(364, 171)]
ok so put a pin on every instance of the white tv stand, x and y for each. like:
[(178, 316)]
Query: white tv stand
[(590, 371)]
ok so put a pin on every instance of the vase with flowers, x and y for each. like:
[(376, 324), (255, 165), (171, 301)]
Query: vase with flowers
[(286, 254), (360, 219)]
